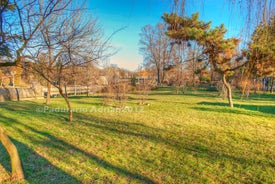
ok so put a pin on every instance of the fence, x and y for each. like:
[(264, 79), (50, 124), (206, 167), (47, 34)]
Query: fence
[(17, 94)]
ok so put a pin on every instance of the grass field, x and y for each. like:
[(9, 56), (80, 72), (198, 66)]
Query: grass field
[(190, 138)]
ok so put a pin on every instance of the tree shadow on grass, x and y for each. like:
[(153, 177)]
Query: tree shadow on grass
[(34, 110), (62, 147), (96, 96), (85, 104), (183, 144), (203, 95), (138, 97), (163, 93), (263, 97), (37, 169), (87, 100), (268, 109)]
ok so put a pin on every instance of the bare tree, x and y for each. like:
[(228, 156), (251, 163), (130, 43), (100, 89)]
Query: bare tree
[(117, 88), (156, 48), (143, 84), (74, 44), (86, 75), (24, 21), (20, 20)]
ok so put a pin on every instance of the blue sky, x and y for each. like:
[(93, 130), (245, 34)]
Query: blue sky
[(134, 14)]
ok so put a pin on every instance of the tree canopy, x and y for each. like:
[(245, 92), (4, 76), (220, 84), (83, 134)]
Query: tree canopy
[(5, 7), (262, 48), (220, 52)]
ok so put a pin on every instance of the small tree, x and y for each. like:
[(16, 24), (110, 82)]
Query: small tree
[(70, 43), (143, 89), (143, 84), (219, 52), (19, 22), (88, 76), (261, 52), (116, 89)]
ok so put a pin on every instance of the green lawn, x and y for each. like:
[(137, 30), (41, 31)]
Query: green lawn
[(190, 138)]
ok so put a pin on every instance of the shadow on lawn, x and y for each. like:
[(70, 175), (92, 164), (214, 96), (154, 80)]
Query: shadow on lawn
[(184, 144), (263, 97), (203, 95), (268, 109), (88, 100), (38, 167), (85, 96), (114, 128), (34, 110)]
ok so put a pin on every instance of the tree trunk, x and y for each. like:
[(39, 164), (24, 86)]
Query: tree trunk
[(194, 71), (255, 85), (74, 88), (267, 84), (162, 76), (244, 85), (158, 77), (193, 79), (87, 88), (228, 89), (48, 98), (16, 166), (272, 84), (65, 96)]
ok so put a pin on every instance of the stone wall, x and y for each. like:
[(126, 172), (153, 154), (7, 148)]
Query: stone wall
[(4, 94), (17, 94)]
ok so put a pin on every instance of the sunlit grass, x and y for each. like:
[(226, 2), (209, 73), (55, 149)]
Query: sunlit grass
[(190, 138)]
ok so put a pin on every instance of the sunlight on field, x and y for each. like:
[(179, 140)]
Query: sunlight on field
[(193, 138)]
